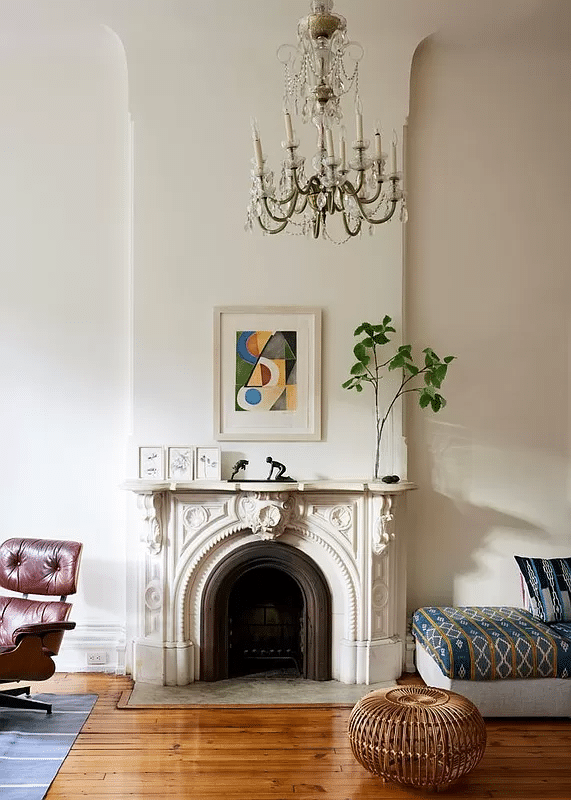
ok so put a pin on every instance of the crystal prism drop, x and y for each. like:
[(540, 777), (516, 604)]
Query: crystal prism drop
[(321, 200)]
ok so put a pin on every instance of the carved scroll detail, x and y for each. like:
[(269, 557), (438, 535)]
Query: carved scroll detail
[(383, 531), (151, 506)]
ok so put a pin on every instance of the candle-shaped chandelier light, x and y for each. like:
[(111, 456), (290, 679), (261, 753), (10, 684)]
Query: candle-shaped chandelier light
[(359, 189)]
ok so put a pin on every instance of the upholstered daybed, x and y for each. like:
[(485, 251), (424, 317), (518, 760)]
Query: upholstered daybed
[(508, 661)]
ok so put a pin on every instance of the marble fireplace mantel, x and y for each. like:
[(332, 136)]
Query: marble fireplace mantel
[(353, 531)]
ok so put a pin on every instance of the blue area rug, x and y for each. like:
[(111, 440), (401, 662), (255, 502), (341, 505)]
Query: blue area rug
[(33, 744)]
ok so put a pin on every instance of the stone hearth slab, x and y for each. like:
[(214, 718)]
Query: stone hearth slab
[(252, 691)]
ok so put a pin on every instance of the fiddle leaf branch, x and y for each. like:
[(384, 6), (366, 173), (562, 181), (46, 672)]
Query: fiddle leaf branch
[(370, 366)]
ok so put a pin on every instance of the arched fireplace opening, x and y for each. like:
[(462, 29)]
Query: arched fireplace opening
[(266, 596), (265, 623)]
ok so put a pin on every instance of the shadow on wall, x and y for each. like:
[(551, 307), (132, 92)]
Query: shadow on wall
[(460, 551), (448, 562)]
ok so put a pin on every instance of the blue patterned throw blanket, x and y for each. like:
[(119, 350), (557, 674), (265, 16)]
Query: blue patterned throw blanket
[(491, 643)]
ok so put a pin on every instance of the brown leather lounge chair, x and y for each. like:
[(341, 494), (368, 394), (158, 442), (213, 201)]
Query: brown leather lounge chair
[(31, 631)]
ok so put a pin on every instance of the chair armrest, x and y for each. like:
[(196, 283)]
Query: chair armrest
[(40, 629), (50, 634)]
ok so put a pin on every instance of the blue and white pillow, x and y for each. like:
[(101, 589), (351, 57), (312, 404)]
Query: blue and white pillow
[(548, 583)]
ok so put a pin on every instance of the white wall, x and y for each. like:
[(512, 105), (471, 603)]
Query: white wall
[(488, 281), (62, 306)]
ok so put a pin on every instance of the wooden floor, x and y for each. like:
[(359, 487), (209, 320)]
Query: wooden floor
[(268, 754)]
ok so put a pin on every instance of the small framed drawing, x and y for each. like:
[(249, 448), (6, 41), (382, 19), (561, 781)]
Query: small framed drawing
[(207, 464), (152, 463), (267, 373), (180, 463)]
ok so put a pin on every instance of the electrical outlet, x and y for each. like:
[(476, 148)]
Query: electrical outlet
[(97, 657)]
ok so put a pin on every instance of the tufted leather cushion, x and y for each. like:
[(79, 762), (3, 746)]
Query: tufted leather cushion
[(17, 611), (39, 566)]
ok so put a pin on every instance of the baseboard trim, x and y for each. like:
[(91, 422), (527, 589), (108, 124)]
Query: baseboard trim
[(106, 642)]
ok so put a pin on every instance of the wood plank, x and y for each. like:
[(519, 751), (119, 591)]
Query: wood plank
[(273, 753)]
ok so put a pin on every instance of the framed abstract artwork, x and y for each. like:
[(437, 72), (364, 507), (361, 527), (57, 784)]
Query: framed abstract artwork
[(267, 373)]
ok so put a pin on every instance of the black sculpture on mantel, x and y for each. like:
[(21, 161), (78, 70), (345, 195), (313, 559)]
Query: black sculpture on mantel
[(239, 465), (280, 469), (280, 474)]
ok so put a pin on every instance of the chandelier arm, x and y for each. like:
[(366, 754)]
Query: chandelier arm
[(363, 210), (288, 213), (349, 230), (279, 229), (304, 190), (375, 197), (374, 221), (285, 200)]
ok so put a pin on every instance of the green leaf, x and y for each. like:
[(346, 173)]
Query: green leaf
[(397, 362), (348, 384), (380, 338), (412, 368), (448, 359), (430, 357), (368, 342), (358, 387), (424, 400), (357, 369), (386, 320), (361, 353)]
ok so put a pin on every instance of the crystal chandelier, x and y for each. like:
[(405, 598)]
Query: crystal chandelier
[(358, 189)]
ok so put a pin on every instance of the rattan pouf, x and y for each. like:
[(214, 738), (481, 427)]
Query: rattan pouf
[(417, 735)]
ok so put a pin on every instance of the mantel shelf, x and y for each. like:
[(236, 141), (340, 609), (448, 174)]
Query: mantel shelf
[(140, 486)]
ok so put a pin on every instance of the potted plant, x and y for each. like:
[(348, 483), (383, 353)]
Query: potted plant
[(371, 364)]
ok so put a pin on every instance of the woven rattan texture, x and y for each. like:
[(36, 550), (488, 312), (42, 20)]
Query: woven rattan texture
[(417, 735)]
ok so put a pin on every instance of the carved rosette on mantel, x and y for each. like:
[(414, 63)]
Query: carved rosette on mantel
[(354, 532)]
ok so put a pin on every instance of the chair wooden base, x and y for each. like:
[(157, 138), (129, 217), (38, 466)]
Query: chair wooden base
[(10, 698)]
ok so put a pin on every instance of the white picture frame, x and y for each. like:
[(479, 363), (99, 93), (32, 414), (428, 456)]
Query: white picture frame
[(180, 463), (207, 464), (152, 463), (267, 373)]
